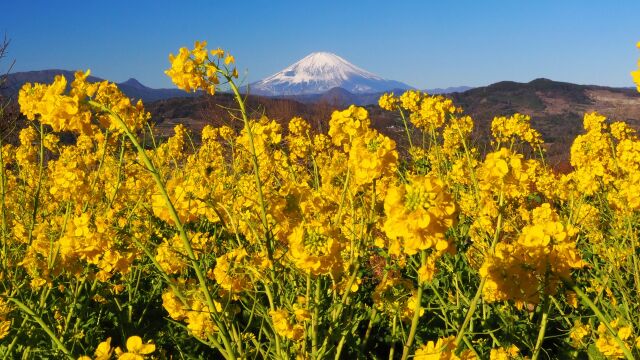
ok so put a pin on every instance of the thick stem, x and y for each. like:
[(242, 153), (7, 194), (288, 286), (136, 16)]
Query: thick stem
[(543, 326), (343, 338)]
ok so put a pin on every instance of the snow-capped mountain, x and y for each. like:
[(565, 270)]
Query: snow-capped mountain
[(319, 72)]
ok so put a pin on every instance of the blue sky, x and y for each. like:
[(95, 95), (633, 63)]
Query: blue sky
[(426, 44)]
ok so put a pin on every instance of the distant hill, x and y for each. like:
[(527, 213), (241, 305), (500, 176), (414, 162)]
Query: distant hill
[(340, 97), (136, 90), (556, 109), (132, 87), (448, 90)]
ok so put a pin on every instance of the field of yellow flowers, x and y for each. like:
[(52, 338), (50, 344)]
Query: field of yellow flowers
[(289, 243)]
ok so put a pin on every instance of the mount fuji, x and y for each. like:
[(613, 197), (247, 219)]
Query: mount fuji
[(320, 72)]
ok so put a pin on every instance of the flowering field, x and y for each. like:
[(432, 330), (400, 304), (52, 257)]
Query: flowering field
[(289, 243)]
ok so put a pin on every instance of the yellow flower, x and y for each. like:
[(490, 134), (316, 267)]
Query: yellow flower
[(510, 129), (301, 313), (5, 327), (636, 74), (70, 112), (433, 112), (411, 99), (372, 156), (389, 102), (192, 70), (348, 124), (456, 133), (136, 349), (104, 350), (608, 345), (578, 332), (501, 353), (419, 212), (442, 349), (504, 171), (229, 272), (314, 247), (427, 271), (283, 327), (545, 249), (572, 299)]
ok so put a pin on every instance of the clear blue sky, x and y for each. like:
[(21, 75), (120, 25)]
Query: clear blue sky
[(426, 44)]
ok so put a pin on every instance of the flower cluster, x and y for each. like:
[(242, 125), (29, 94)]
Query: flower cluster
[(261, 239), (536, 262), (607, 344), (506, 130), (636, 74), (53, 106), (419, 214), (199, 68)]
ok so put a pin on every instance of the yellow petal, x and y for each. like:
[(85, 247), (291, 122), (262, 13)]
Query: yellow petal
[(134, 343)]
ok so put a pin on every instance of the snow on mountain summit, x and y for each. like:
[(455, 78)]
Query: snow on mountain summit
[(319, 72), (320, 66)]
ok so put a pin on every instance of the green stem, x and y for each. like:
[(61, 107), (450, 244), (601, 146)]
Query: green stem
[(254, 160), (392, 350), (601, 317), (546, 307), (97, 172), (367, 334), (314, 320), (343, 338), (76, 293), (272, 307), (476, 298), (44, 326), (263, 204), (472, 172), (416, 314), (343, 196), (406, 128), (36, 196), (3, 210), (176, 219), (347, 290), (15, 339)]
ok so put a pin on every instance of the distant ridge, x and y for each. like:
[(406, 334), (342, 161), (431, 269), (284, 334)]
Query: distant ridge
[(132, 87), (448, 90), (134, 84)]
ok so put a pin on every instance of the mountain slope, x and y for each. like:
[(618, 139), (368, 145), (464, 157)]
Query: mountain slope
[(556, 110), (448, 90), (320, 72), (132, 87)]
